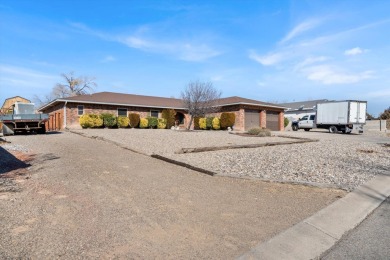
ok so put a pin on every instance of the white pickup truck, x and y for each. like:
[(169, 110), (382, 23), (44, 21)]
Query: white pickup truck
[(345, 116)]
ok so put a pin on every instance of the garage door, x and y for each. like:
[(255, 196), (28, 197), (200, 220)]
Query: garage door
[(252, 119), (273, 120)]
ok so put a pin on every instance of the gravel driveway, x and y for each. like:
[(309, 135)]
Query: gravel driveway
[(86, 198), (336, 160)]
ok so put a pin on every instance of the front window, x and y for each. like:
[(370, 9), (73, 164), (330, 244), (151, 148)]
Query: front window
[(304, 118), (154, 113), (122, 112), (80, 110), (312, 117)]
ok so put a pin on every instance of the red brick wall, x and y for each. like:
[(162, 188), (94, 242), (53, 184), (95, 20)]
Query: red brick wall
[(281, 121)]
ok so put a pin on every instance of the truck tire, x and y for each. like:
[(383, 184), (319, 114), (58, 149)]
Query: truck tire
[(307, 129), (42, 130), (294, 127), (333, 129)]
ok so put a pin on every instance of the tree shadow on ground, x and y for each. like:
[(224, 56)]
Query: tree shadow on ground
[(8, 162)]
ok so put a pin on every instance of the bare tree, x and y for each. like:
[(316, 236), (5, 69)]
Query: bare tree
[(73, 86), (200, 98)]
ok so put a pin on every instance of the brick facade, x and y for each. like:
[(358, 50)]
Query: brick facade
[(72, 117)]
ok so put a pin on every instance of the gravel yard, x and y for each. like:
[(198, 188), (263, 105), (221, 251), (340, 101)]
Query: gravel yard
[(337, 160), (168, 142), (83, 198)]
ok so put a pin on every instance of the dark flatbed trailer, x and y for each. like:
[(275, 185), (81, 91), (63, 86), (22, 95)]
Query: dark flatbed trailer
[(24, 123)]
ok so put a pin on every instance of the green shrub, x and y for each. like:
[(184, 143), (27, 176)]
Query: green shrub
[(109, 120), (86, 121), (143, 123), (123, 121), (260, 132), (152, 121), (169, 115), (162, 123), (97, 121), (209, 122), (202, 123), (227, 120), (216, 123), (196, 123), (286, 121), (134, 119)]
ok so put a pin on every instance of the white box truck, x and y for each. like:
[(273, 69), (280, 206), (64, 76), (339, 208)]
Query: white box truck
[(345, 116)]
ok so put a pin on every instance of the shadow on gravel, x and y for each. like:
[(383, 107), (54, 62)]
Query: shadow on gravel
[(8, 162)]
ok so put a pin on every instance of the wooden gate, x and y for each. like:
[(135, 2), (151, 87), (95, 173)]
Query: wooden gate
[(55, 122)]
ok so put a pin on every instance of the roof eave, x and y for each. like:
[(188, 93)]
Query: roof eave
[(106, 103), (252, 104)]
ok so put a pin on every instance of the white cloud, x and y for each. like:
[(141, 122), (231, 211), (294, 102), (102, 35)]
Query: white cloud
[(327, 75), (181, 49), (299, 29), (354, 51), (267, 60), (108, 58), (309, 61)]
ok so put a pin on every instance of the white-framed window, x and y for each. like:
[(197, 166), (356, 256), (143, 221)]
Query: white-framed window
[(154, 113), (80, 110), (122, 111)]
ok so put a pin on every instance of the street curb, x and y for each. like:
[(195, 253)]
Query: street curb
[(315, 235)]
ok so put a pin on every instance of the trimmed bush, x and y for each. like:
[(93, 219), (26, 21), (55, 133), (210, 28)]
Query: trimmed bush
[(134, 120), (227, 120), (216, 123), (109, 120), (169, 115), (90, 121), (143, 123), (260, 132), (196, 123), (286, 121), (202, 123), (152, 121), (209, 122), (123, 121), (162, 123), (86, 121)]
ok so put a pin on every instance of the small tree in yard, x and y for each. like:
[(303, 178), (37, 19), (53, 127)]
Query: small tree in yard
[(169, 115), (200, 98)]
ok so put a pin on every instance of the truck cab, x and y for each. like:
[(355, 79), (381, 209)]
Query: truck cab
[(307, 122)]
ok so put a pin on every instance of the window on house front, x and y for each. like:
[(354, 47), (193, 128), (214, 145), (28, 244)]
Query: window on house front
[(122, 112), (154, 113), (80, 110)]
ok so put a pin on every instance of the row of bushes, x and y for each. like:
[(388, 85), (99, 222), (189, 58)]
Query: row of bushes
[(111, 121), (167, 121), (216, 123)]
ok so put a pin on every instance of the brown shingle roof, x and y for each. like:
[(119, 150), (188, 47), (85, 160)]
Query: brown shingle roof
[(148, 101), (128, 99), (240, 100)]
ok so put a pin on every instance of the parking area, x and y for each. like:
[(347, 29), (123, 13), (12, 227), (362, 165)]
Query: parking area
[(88, 198)]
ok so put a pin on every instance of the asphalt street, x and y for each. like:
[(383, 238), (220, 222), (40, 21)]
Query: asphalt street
[(369, 240)]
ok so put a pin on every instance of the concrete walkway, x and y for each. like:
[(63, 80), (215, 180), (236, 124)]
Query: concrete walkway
[(315, 235)]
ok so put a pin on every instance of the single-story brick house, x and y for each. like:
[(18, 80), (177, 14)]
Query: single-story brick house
[(249, 113)]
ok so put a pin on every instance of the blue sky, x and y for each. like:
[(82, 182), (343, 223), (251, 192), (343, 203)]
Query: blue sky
[(275, 51)]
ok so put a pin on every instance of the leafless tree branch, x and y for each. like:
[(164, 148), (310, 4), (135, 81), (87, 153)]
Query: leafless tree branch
[(200, 98)]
